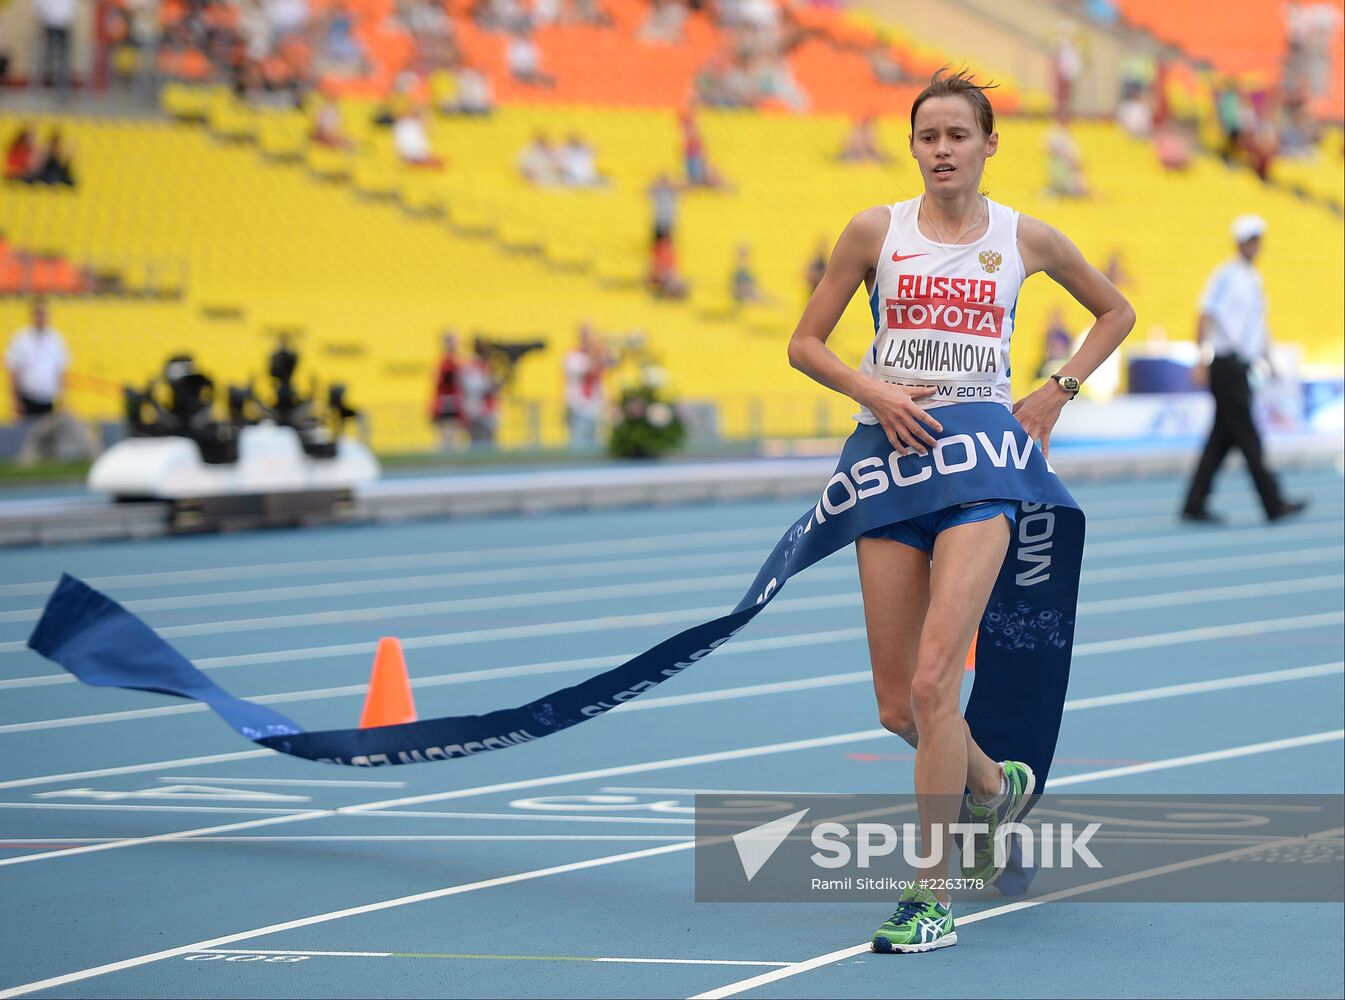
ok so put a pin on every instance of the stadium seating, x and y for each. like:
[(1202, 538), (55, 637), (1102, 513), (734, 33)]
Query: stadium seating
[(1251, 43), (371, 260)]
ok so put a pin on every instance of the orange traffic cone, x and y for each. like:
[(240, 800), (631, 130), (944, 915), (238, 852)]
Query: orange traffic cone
[(389, 701), (971, 654)]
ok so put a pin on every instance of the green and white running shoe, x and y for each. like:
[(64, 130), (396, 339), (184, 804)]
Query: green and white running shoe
[(921, 923), (1022, 783)]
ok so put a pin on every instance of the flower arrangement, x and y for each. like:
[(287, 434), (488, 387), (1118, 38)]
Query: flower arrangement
[(647, 423)]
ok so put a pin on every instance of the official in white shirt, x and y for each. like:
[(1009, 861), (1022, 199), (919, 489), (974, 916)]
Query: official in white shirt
[(1232, 337), (37, 361)]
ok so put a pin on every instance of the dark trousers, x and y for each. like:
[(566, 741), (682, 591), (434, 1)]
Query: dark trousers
[(56, 57), (1233, 428)]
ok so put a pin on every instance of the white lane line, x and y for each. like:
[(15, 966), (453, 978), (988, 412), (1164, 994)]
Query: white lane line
[(1270, 588), (572, 595), (1249, 750), (1239, 630), (680, 541), (154, 765), (1217, 564), (138, 807), (725, 991), (746, 557), (1072, 705), (137, 769), (743, 985), (537, 958), (113, 845), (295, 951), (568, 550), (1147, 571), (414, 584), (379, 838), (688, 961), (787, 641), (735, 582), (1205, 539), (541, 817), (863, 676), (761, 750), (1202, 687), (322, 918), (216, 779)]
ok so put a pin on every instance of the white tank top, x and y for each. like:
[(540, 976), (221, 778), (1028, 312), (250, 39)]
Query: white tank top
[(943, 313)]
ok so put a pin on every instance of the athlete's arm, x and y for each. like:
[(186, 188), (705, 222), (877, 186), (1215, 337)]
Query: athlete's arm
[(849, 265), (1045, 248)]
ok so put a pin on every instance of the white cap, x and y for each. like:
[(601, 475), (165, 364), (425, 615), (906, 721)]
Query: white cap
[(1245, 227)]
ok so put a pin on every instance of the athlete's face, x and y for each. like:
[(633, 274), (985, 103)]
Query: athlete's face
[(950, 146)]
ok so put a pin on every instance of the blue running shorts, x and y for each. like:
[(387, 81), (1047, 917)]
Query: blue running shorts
[(920, 532)]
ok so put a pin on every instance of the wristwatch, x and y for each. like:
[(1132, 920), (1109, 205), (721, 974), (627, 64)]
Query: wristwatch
[(1068, 383)]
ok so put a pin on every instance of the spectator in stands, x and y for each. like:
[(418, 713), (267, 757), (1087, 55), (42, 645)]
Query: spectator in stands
[(743, 286), (665, 279), (52, 164), (663, 196), (57, 18), (497, 15), (475, 96), (525, 60), (1298, 129), (578, 163), (1312, 28), (591, 13), (886, 69), (327, 127), (1172, 145), (1058, 345), (1064, 166), (432, 31), (413, 141), (19, 154), (1102, 12), (480, 395), (773, 80), (584, 367), (288, 18), (539, 162), (1066, 68), (446, 403), (861, 144), (816, 267), (145, 31), (37, 361), (254, 30), (1261, 142), (665, 24), (1116, 271), (1133, 111), (699, 173), (721, 82), (1229, 112), (339, 52)]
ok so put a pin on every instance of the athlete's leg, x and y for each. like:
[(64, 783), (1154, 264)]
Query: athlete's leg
[(894, 579), (966, 563)]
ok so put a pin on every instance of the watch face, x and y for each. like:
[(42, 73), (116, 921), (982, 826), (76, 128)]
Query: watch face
[(1069, 383)]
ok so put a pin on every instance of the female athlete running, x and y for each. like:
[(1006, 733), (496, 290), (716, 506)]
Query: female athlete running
[(943, 271)]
